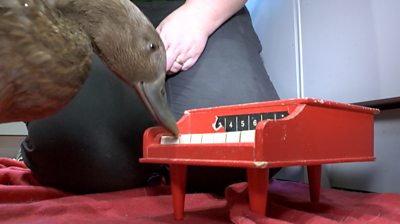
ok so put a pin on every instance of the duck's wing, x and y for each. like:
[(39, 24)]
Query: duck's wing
[(44, 59)]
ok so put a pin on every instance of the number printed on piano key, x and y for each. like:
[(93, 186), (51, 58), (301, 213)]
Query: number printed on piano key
[(231, 123), (254, 119), (243, 122)]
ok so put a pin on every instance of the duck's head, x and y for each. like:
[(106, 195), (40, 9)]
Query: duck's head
[(125, 39)]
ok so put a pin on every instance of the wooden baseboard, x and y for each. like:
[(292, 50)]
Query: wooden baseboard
[(382, 104)]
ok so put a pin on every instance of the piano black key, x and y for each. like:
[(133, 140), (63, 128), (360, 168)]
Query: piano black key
[(268, 116), (281, 114), (254, 119), (231, 123), (243, 122)]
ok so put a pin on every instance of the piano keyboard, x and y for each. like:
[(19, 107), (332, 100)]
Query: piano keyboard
[(238, 129), (211, 138)]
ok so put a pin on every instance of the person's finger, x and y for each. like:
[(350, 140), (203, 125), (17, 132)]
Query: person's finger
[(183, 56), (175, 68), (171, 57), (188, 64), (177, 60), (185, 61)]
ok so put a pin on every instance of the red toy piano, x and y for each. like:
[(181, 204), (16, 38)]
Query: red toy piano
[(259, 136)]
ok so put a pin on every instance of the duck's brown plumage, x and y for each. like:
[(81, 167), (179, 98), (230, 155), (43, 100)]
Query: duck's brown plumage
[(41, 67), (46, 46)]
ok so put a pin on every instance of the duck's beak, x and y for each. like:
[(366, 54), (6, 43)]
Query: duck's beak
[(155, 98)]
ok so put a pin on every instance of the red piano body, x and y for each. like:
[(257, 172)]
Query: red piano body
[(259, 136)]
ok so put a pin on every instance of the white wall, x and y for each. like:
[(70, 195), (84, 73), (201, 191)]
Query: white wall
[(350, 49), (10, 145), (11, 135), (274, 22), (14, 128), (342, 50)]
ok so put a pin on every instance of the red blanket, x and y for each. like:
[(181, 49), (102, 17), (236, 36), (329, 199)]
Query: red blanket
[(23, 200)]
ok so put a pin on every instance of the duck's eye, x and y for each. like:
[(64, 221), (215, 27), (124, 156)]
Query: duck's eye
[(152, 46)]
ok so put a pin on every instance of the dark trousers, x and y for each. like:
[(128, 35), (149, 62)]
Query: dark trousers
[(93, 144)]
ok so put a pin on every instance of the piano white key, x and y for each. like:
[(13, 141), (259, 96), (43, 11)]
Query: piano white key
[(196, 139), (233, 137), (248, 136), (168, 140), (207, 138), (219, 137), (211, 138), (185, 139)]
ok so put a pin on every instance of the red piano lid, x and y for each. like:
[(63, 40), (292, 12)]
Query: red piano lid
[(294, 101)]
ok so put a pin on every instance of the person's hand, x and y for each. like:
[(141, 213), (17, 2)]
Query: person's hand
[(184, 36), (186, 30)]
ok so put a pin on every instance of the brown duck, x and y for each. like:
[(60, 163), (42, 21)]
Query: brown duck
[(46, 46)]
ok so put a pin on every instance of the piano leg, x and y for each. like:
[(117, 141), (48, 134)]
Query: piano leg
[(257, 180), (314, 180), (178, 188)]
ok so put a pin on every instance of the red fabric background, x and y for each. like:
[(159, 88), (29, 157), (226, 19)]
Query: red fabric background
[(23, 200)]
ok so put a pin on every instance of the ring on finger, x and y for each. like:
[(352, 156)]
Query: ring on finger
[(179, 61)]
